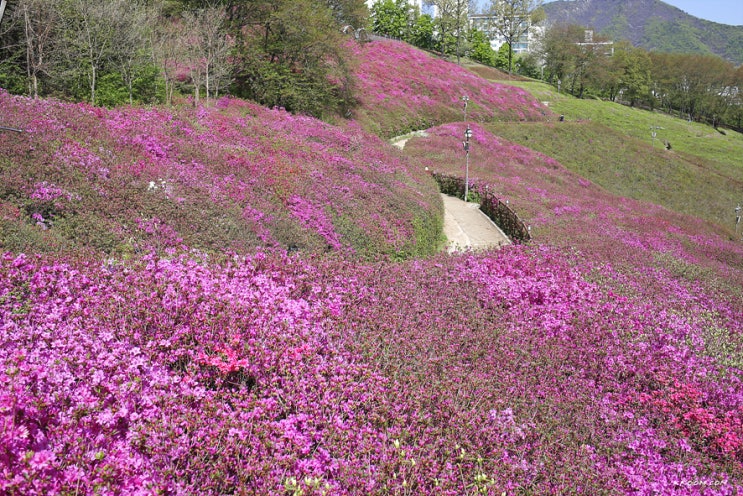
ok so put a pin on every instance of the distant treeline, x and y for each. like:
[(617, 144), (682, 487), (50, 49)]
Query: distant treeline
[(696, 87)]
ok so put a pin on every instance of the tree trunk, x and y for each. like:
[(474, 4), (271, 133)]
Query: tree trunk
[(93, 76)]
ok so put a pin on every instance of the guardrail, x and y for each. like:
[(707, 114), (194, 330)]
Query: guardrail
[(498, 211)]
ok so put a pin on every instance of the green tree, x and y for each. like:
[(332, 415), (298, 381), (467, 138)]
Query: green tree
[(528, 65), (393, 18), (633, 66), (481, 50), (422, 33), (291, 54), (349, 12), (501, 57)]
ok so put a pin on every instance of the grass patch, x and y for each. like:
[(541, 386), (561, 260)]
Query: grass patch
[(611, 145)]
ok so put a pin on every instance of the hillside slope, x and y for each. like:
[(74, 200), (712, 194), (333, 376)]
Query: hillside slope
[(230, 178), (605, 357), (403, 89), (651, 24)]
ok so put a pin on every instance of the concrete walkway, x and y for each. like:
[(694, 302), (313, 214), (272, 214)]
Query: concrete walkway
[(465, 226)]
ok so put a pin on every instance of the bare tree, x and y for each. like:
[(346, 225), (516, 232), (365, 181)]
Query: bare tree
[(40, 21), (511, 19), (208, 49), (169, 45), (91, 27), (2, 9), (452, 20), (131, 41)]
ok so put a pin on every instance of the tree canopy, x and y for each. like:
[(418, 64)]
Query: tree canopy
[(287, 53)]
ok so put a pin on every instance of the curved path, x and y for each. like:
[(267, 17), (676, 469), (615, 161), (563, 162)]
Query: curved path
[(465, 225)]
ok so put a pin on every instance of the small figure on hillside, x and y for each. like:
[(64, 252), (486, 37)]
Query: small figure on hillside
[(668, 144), (562, 118)]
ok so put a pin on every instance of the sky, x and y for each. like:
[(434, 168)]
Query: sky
[(722, 11)]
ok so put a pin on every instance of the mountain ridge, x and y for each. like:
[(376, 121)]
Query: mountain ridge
[(651, 24)]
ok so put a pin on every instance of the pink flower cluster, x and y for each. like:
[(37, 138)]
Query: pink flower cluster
[(230, 178), (403, 89)]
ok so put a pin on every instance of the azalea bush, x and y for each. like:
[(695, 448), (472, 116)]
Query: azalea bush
[(402, 89), (520, 370), (229, 178)]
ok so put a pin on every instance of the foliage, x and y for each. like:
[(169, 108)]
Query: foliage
[(603, 358), (422, 33), (231, 178), (481, 51), (511, 19), (291, 55), (403, 89), (392, 18), (699, 87), (640, 167)]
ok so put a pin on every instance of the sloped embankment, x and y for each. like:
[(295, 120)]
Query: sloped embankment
[(229, 178), (403, 89)]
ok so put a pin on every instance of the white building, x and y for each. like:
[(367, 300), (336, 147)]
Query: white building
[(527, 41)]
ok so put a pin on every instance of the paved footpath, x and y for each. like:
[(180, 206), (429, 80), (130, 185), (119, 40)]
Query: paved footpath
[(467, 227)]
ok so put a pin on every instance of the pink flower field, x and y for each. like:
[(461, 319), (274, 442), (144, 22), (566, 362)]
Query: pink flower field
[(227, 179), (240, 301), (403, 89)]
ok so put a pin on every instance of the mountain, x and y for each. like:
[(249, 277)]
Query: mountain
[(651, 24)]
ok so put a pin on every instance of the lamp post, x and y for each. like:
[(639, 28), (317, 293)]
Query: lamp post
[(466, 144)]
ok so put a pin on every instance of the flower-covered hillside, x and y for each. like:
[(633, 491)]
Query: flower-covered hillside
[(402, 89), (605, 357), (526, 371), (229, 179), (565, 209)]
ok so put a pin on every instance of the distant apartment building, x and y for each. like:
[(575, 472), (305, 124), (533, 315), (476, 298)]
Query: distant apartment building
[(526, 43), (424, 6)]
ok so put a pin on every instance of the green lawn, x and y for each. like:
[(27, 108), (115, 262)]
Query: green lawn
[(611, 144)]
